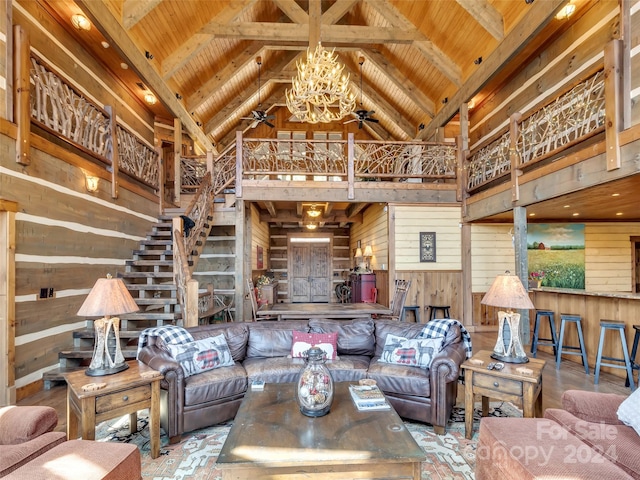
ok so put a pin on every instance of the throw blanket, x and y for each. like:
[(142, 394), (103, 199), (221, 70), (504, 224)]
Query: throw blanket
[(440, 328), (170, 335)]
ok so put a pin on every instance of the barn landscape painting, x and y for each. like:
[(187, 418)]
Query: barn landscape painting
[(556, 254)]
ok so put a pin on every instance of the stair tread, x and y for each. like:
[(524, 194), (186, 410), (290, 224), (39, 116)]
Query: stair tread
[(90, 333), (87, 352), (146, 275), (150, 263), (142, 286)]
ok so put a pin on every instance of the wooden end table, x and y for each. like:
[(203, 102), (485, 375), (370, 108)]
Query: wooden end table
[(508, 384), (125, 392)]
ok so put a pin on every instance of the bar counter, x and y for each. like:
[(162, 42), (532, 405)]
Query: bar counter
[(592, 307)]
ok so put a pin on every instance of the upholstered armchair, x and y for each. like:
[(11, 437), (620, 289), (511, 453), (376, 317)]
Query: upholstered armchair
[(25, 433)]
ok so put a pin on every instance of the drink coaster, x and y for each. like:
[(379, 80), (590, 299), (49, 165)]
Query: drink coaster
[(92, 387)]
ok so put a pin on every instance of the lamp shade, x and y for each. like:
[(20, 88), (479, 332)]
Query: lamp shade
[(109, 296), (368, 252), (358, 252), (507, 291)]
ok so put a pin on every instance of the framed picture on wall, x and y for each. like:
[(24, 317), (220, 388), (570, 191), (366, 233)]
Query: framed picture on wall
[(427, 246), (260, 262)]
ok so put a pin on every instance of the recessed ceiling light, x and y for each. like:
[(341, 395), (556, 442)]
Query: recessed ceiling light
[(567, 206), (576, 214), (615, 194), (532, 214), (566, 12), (81, 22), (150, 98), (104, 44), (124, 66), (619, 213)]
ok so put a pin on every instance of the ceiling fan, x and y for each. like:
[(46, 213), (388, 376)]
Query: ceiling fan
[(362, 115), (259, 116)]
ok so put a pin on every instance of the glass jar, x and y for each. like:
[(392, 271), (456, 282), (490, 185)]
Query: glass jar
[(314, 391)]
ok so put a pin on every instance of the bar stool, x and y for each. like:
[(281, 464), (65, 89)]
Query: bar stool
[(553, 341), (619, 326), (413, 308), (634, 350), (434, 308), (564, 318)]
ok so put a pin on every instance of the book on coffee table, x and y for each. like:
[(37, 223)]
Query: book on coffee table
[(366, 397)]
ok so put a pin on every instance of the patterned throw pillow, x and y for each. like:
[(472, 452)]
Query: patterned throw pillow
[(629, 411), (418, 352), (202, 355), (304, 341)]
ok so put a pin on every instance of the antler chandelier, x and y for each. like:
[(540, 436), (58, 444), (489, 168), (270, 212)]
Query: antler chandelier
[(320, 93)]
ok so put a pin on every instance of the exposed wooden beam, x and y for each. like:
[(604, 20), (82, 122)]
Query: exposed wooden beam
[(315, 15), (400, 80), (224, 75), (290, 216), (194, 44), (355, 208), (293, 32), (298, 210), (271, 208), (539, 14), (135, 10), (338, 10), (117, 37), (486, 15), (430, 51), (247, 93), (292, 10)]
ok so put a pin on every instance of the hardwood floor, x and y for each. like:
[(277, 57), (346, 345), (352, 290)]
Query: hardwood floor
[(570, 376)]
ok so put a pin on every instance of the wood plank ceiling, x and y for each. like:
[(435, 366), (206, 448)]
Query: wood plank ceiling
[(422, 59)]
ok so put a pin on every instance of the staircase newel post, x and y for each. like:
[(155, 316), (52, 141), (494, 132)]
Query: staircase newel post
[(191, 304)]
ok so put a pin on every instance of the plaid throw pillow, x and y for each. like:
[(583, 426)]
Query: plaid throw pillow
[(202, 355)]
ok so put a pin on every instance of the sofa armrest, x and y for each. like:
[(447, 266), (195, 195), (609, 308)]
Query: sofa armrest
[(173, 383), (19, 424), (445, 366), (593, 406)]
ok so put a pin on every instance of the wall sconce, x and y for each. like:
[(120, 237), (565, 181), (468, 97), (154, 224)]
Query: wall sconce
[(81, 22), (91, 183)]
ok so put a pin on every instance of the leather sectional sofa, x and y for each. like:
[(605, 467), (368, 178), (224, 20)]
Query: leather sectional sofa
[(261, 351)]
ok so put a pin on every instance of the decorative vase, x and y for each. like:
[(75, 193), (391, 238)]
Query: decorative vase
[(539, 283), (314, 390)]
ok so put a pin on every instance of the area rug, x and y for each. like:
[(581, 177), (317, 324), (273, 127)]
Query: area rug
[(450, 456)]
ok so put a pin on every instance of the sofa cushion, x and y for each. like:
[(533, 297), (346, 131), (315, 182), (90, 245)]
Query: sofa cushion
[(593, 406), (355, 337), (202, 355), (14, 456), (215, 385), (273, 369), (24, 423), (304, 341), (236, 335), (348, 368), (534, 448), (616, 443), (273, 339), (399, 329), (400, 379), (410, 352)]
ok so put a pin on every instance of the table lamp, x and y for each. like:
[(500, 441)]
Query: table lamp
[(508, 292), (109, 296)]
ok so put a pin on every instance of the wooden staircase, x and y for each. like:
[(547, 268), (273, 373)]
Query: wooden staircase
[(149, 278)]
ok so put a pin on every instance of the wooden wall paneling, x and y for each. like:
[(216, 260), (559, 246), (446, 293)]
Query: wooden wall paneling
[(382, 284), (22, 86), (7, 301), (558, 64), (40, 354)]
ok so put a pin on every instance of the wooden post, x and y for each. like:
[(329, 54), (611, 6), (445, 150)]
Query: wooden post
[(177, 153), (613, 102), (6, 20), (522, 261), (462, 144), (7, 301), (239, 168), (315, 17), (625, 33), (161, 177), (191, 304), (115, 154), (240, 260), (209, 161), (514, 158), (22, 91), (351, 175)]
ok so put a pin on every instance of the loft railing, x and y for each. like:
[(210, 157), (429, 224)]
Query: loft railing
[(59, 108), (568, 119)]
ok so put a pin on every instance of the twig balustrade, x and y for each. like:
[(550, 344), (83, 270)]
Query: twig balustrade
[(566, 120), (59, 108)]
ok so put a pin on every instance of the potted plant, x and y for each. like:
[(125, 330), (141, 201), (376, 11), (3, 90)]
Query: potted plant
[(537, 277)]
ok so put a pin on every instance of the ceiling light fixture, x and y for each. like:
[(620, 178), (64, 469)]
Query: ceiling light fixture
[(81, 22), (311, 226), (320, 93), (313, 212), (566, 11), (150, 98)]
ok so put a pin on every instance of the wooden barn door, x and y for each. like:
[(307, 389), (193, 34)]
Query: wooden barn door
[(310, 269)]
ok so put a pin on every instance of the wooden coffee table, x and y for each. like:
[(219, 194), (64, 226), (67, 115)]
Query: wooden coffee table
[(270, 437)]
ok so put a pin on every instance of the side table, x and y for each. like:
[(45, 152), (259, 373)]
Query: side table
[(510, 384), (124, 393)]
